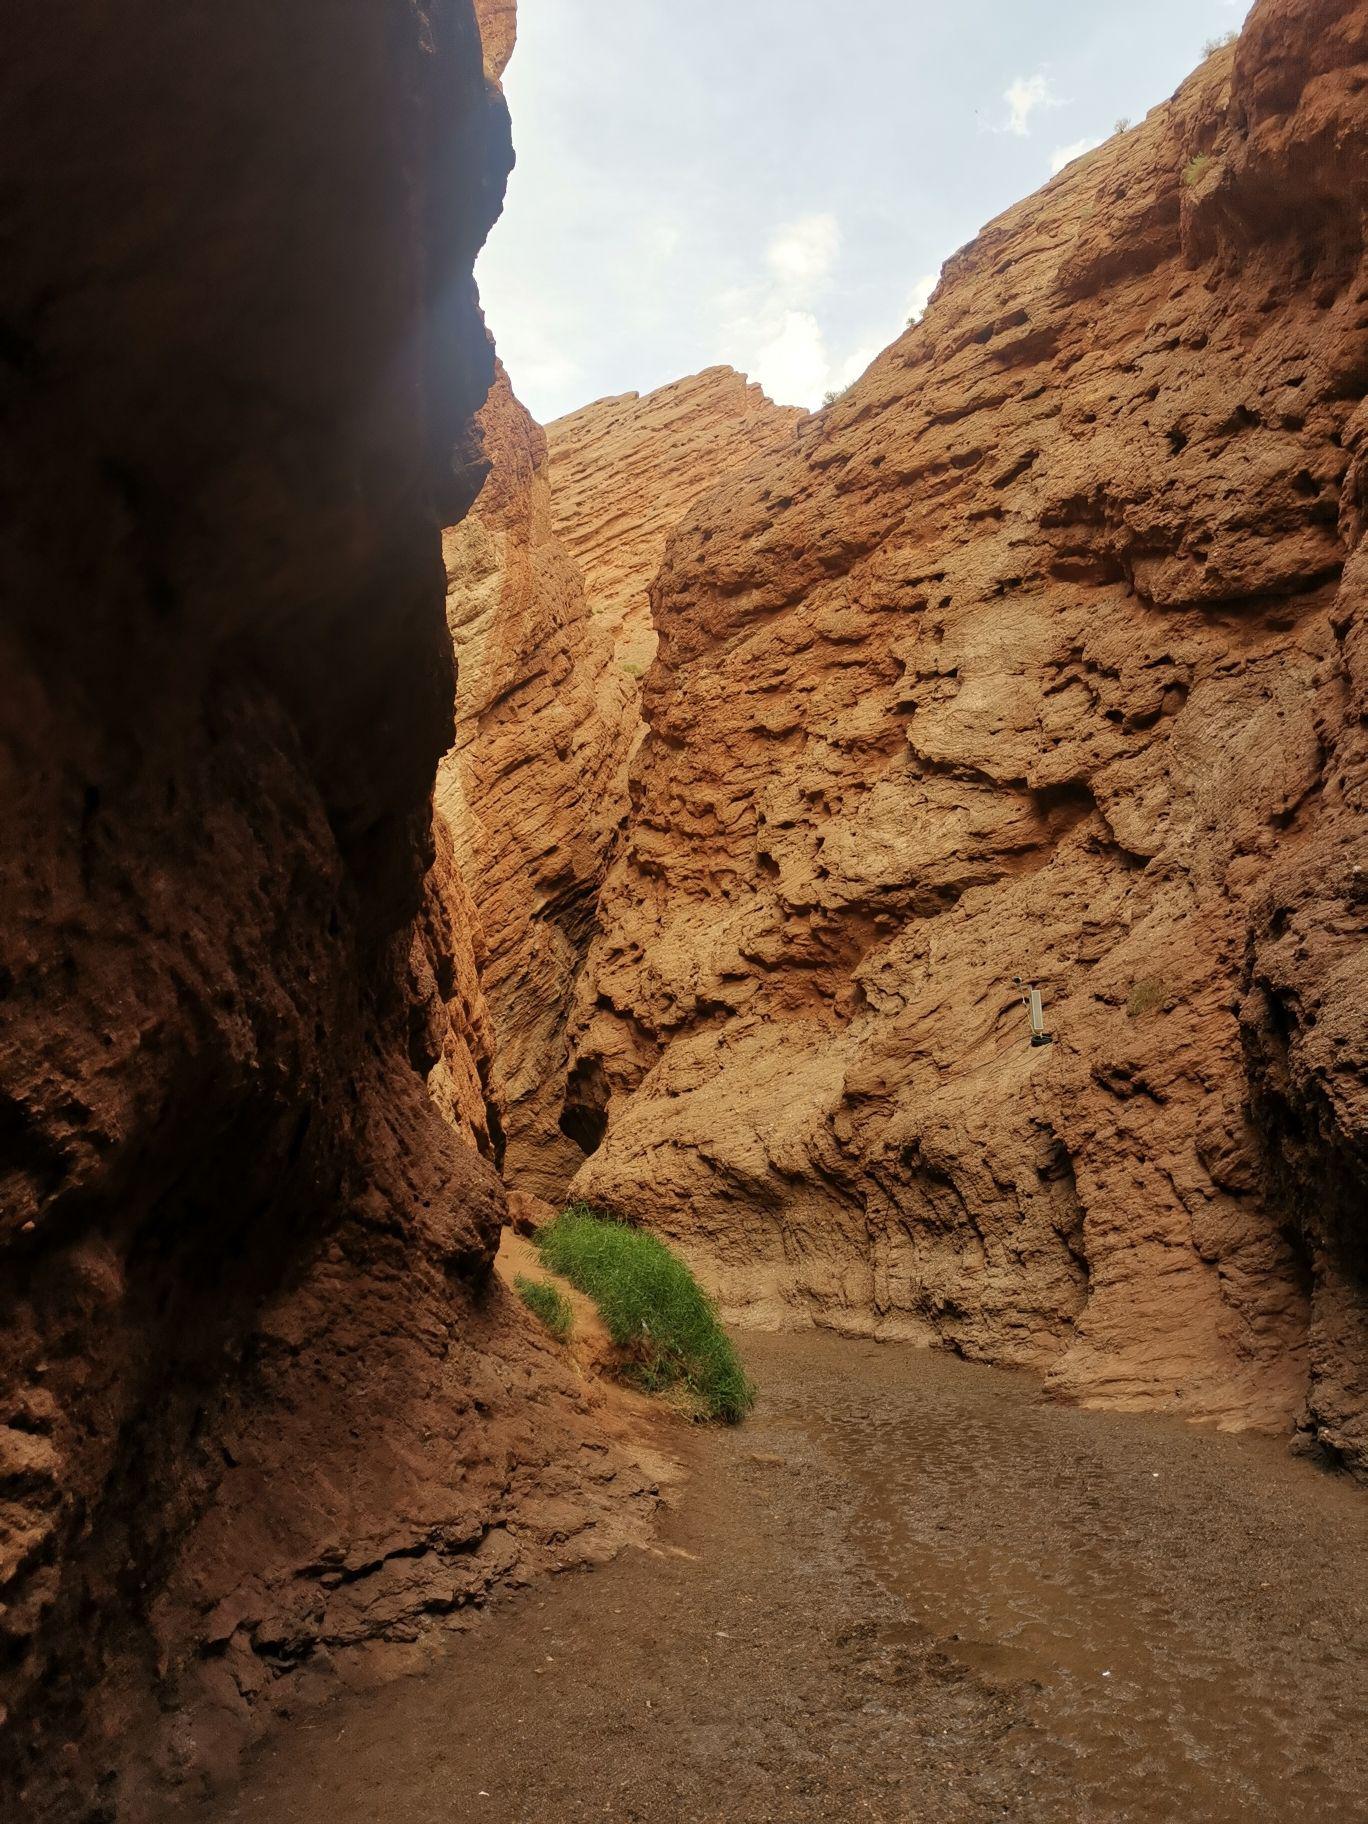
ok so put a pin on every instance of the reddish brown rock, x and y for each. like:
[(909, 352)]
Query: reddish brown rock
[(527, 1213), (547, 604), (498, 21), (530, 790), (265, 1415), (1038, 654), (625, 470)]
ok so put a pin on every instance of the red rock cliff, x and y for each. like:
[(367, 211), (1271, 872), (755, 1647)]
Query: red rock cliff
[(263, 1415), (548, 609), (1039, 654)]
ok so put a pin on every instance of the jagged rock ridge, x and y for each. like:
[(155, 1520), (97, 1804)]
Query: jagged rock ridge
[(1039, 654)]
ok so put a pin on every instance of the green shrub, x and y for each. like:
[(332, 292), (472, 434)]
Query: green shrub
[(1145, 996), (1194, 168), (654, 1309), (548, 1303)]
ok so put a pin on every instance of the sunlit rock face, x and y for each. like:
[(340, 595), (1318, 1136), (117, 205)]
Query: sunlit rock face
[(547, 600), (265, 1423), (626, 470), (1039, 654)]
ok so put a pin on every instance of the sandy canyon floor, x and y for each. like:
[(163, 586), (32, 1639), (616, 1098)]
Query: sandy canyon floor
[(909, 1589)]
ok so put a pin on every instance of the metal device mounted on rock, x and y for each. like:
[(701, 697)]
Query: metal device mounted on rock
[(1032, 1001)]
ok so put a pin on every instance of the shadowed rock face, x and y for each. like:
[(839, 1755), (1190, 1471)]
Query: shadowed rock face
[(547, 582), (531, 789), (260, 1406), (1038, 654)]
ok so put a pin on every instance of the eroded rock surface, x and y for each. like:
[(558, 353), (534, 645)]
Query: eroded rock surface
[(549, 613), (264, 1417), (1039, 654), (531, 790), (625, 470)]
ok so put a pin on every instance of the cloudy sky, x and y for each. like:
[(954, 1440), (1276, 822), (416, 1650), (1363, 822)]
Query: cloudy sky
[(775, 183)]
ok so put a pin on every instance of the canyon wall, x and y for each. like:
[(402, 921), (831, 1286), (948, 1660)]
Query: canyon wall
[(547, 604), (625, 471), (1039, 654), (267, 1422)]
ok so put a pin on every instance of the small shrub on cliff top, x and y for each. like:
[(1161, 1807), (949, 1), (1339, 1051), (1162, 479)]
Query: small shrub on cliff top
[(549, 1304), (654, 1309), (1213, 45)]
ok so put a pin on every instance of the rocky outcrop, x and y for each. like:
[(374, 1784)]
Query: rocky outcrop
[(625, 470), (547, 603), (265, 1418), (530, 789), (1039, 654)]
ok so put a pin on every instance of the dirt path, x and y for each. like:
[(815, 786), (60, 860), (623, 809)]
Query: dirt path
[(907, 1590)]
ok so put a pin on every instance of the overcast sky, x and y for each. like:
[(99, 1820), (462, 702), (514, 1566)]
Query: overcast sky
[(775, 183)]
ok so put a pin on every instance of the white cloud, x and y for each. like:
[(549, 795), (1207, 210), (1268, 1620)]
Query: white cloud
[(801, 254), (776, 331), (921, 295), (796, 367), (769, 327), (1065, 155), (849, 370), (1023, 97), (792, 363), (661, 240), (531, 351)]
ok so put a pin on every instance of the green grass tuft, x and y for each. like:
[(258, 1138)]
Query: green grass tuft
[(1194, 168), (653, 1307), (548, 1303)]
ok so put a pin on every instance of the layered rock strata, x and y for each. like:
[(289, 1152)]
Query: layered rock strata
[(266, 1422), (626, 469), (1040, 654), (547, 582), (530, 791)]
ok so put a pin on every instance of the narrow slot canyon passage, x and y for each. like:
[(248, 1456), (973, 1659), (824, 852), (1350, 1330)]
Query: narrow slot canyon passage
[(684, 912), (908, 1588)]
